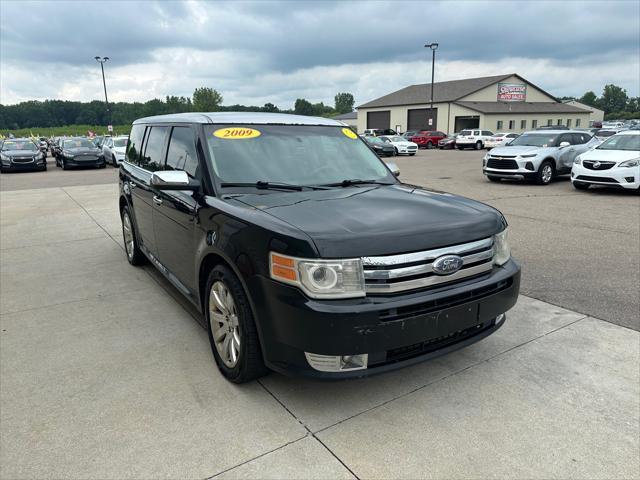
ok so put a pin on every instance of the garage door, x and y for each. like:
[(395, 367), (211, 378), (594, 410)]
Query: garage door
[(418, 119), (379, 119), (466, 122)]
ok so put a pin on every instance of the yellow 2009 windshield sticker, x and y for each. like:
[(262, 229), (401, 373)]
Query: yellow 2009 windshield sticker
[(237, 133), (349, 133)]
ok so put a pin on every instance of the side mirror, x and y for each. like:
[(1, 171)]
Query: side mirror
[(394, 168), (173, 180), (564, 144)]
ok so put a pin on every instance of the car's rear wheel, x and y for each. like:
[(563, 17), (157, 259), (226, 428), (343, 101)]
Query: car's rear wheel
[(545, 173), (580, 186), (429, 145), (232, 331), (134, 254)]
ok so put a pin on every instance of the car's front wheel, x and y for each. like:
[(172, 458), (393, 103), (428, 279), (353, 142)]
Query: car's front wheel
[(429, 145), (545, 173), (478, 145), (232, 331), (134, 254)]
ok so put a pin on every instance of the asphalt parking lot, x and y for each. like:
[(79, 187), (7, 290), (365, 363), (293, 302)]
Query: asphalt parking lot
[(103, 374)]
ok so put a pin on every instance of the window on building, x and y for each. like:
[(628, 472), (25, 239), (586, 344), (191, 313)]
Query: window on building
[(534, 123), (523, 124), (569, 122), (559, 122), (577, 122), (511, 124), (549, 122), (499, 125)]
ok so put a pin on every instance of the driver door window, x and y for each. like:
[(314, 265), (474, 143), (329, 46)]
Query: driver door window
[(182, 154)]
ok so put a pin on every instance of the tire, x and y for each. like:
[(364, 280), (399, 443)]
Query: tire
[(493, 179), (113, 161), (131, 248), (64, 165), (229, 317), (545, 173), (478, 145), (580, 186), (429, 145), (396, 150)]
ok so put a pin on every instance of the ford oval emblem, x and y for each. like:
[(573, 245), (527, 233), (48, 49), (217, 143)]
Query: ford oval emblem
[(447, 264)]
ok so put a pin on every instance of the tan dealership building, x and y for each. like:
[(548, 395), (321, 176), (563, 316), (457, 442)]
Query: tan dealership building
[(503, 103)]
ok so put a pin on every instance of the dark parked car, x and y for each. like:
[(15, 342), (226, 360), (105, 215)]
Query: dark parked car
[(410, 133), (302, 250), (448, 143), (382, 148), (79, 152), (553, 127), (428, 139), (21, 154)]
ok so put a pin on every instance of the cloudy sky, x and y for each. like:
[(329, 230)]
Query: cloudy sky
[(258, 52)]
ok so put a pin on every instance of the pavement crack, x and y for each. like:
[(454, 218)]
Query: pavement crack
[(90, 216)]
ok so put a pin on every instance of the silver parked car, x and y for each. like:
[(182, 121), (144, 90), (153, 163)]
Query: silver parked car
[(113, 149), (537, 155)]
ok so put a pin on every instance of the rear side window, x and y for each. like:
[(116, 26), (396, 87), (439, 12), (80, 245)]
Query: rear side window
[(181, 154), (154, 149), (135, 143), (465, 132), (487, 133)]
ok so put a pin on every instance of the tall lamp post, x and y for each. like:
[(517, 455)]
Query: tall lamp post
[(102, 61), (433, 47)]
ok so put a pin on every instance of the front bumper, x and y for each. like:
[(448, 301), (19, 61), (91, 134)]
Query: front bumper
[(393, 330), (23, 166), (407, 150), (618, 177), (75, 162)]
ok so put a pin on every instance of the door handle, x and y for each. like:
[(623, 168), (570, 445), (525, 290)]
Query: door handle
[(157, 200)]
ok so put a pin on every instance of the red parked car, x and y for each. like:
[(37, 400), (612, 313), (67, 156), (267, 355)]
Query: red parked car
[(428, 139)]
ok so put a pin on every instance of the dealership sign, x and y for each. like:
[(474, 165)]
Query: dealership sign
[(512, 92)]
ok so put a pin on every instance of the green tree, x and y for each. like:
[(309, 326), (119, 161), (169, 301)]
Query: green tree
[(614, 99), (270, 107), (206, 99), (344, 102), (303, 107), (589, 98)]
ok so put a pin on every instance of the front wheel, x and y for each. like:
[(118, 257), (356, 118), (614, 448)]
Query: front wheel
[(396, 151), (232, 331), (545, 173), (429, 145), (478, 145), (580, 186), (64, 165)]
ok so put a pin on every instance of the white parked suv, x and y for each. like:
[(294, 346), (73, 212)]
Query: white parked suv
[(614, 163), (401, 144), (499, 140), (537, 155), (472, 138), (113, 149)]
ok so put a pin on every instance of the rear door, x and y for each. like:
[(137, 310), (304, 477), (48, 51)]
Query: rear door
[(175, 212), (150, 160)]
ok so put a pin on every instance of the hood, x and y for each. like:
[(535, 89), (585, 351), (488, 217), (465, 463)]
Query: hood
[(515, 150), (119, 150), (20, 153), (610, 155), (404, 143), (379, 220)]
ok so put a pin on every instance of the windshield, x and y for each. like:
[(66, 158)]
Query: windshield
[(534, 140), (78, 143), (120, 142), (374, 140), (26, 145), (605, 133), (292, 154), (621, 142), (396, 139)]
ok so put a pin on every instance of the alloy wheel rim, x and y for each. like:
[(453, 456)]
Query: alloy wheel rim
[(128, 235), (546, 174), (223, 319)]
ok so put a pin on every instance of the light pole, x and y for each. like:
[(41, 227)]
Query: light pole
[(433, 47), (102, 61)]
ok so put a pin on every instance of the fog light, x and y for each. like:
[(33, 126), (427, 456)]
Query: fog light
[(529, 166), (337, 363), (630, 179), (500, 318)]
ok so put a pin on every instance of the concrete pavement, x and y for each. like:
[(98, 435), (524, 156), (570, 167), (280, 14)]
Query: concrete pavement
[(104, 375)]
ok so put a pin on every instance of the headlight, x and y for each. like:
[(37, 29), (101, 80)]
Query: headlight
[(502, 252), (529, 155), (320, 278), (67, 153), (577, 160), (38, 156), (4, 157), (630, 163)]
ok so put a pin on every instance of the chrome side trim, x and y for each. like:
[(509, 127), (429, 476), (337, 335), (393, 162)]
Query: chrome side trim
[(428, 281), (426, 255), (419, 269)]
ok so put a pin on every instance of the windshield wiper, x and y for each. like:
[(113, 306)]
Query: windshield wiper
[(271, 185), (356, 181)]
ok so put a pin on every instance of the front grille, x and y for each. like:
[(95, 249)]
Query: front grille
[(86, 158), (405, 313), (502, 164), (413, 271), (590, 164), (22, 159), (589, 178)]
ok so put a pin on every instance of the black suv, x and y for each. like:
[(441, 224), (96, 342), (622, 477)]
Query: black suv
[(302, 249)]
